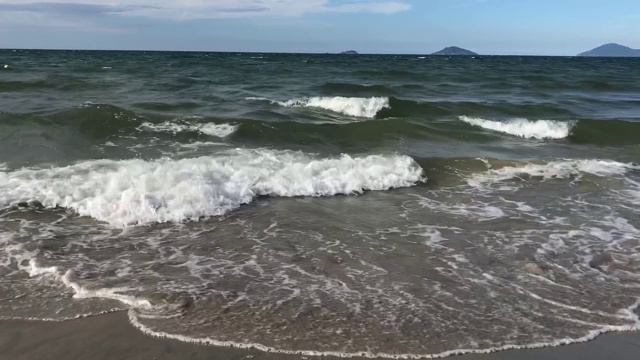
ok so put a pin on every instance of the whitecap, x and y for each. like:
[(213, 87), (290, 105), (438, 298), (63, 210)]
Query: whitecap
[(130, 192), (351, 106), (554, 170), (217, 130), (529, 129)]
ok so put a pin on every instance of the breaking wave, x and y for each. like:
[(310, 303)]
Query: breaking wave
[(529, 129), (554, 170), (218, 130), (352, 106), (131, 192)]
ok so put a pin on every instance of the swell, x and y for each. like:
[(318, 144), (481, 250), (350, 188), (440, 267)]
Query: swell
[(97, 120), (91, 120), (400, 119), (606, 132), (381, 107), (409, 108), (348, 135), (350, 89), (101, 121), (59, 83)]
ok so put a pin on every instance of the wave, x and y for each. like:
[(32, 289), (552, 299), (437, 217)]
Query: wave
[(536, 129), (133, 192), (218, 130), (58, 83), (354, 135), (563, 169), (398, 118), (583, 131), (606, 132), (96, 120), (351, 106), (69, 279), (628, 312), (378, 107), (168, 106), (140, 308), (351, 89)]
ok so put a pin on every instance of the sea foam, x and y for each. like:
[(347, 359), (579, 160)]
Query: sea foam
[(140, 308), (68, 279), (529, 129), (130, 192), (562, 169), (218, 130), (352, 106), (628, 313)]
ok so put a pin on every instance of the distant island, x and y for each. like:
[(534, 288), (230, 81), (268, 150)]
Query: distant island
[(454, 50), (612, 50), (349, 52)]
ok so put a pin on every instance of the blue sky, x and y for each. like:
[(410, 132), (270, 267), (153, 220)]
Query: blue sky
[(536, 27)]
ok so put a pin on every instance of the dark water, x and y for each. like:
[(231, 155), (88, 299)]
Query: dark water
[(385, 205)]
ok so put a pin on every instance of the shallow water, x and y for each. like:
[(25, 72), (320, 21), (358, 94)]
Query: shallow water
[(386, 205)]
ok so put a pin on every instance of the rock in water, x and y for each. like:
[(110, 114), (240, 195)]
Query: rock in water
[(601, 259), (612, 50), (454, 50), (535, 269)]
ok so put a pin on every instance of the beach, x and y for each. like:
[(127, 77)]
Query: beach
[(109, 336), (398, 206)]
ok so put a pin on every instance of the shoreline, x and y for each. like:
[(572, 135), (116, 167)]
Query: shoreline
[(112, 336)]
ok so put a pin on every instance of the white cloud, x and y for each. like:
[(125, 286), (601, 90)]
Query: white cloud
[(203, 9)]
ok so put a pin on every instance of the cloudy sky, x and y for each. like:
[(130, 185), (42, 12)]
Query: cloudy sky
[(538, 27)]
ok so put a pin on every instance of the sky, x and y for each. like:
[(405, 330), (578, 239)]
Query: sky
[(501, 27)]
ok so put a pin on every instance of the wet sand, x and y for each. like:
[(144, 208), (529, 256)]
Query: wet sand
[(112, 337)]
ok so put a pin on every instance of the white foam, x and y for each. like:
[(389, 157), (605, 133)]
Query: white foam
[(590, 335), (352, 106), (80, 292), (129, 192), (554, 170), (537, 129), (218, 130), (199, 144)]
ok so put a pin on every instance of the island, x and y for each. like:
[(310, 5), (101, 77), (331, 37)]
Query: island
[(454, 50), (349, 52), (612, 50)]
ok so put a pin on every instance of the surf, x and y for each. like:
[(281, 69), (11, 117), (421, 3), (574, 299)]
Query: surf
[(134, 192)]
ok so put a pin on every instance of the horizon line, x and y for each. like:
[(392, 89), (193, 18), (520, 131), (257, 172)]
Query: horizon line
[(280, 52)]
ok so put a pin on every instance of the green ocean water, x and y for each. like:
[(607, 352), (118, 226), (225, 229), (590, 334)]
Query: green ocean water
[(323, 204)]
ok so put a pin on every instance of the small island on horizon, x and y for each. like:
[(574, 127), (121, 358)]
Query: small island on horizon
[(349, 52), (454, 50), (612, 50)]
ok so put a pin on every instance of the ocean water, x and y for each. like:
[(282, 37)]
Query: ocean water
[(384, 206)]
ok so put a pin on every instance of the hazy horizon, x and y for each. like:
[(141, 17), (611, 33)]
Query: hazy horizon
[(488, 27)]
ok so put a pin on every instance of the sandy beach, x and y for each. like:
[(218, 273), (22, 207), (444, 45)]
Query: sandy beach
[(110, 336)]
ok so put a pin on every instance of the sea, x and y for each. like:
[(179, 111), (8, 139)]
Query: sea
[(385, 206)]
